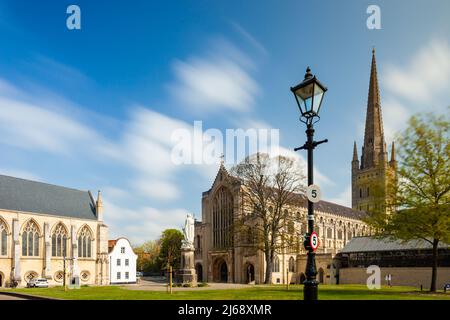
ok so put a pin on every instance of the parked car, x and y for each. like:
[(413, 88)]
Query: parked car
[(139, 274), (37, 283)]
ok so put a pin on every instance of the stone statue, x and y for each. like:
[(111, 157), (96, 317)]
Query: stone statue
[(188, 232)]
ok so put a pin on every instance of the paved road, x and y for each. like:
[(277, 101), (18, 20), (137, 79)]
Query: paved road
[(8, 297), (160, 284)]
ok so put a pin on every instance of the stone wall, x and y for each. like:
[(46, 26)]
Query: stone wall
[(400, 276)]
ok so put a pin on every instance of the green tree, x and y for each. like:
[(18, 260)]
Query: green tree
[(419, 205), (148, 254), (170, 254)]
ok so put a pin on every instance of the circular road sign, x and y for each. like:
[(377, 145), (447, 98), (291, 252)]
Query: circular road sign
[(314, 241), (313, 193)]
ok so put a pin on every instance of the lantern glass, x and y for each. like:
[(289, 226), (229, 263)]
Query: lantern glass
[(317, 98), (309, 97)]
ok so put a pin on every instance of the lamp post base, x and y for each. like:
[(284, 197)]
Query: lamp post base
[(310, 290)]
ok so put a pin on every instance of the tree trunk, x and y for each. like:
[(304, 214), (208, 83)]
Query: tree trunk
[(435, 265), (268, 274)]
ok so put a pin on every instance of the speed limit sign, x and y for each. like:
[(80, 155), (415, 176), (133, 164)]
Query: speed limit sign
[(313, 193), (314, 241)]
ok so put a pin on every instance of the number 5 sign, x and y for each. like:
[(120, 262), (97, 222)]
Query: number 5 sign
[(313, 193), (314, 241)]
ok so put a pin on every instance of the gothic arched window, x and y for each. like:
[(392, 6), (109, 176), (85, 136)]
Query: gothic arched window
[(30, 240), (3, 239), (340, 234), (291, 264), (276, 264), (59, 241), (329, 233), (222, 219), (85, 243)]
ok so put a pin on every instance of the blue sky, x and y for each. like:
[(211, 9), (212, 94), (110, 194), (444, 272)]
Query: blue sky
[(94, 108)]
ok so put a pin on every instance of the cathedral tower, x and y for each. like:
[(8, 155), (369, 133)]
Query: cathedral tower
[(370, 174)]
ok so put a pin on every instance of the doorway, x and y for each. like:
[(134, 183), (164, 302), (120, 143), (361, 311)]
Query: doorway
[(223, 272), (249, 273), (321, 274), (199, 271)]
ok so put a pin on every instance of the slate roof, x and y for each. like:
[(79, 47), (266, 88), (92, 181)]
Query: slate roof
[(41, 198), (370, 244), (330, 207)]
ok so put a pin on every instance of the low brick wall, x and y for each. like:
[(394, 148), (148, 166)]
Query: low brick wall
[(400, 276)]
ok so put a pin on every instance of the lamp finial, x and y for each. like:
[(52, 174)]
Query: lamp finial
[(308, 73)]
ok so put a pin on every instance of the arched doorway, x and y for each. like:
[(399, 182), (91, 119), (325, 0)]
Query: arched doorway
[(249, 273), (223, 272), (302, 278), (199, 271), (1, 279), (321, 273), (220, 270)]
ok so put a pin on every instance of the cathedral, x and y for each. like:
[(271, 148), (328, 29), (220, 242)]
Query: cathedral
[(48, 231), (220, 258), (372, 175)]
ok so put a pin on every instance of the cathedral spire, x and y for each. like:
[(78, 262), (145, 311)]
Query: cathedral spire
[(374, 145), (355, 152), (393, 152)]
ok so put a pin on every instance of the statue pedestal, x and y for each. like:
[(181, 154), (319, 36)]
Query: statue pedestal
[(187, 274)]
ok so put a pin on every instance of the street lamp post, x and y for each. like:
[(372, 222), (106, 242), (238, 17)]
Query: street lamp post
[(309, 94)]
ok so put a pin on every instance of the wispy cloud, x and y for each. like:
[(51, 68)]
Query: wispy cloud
[(249, 37), (32, 126), (421, 85), (219, 81), (425, 77)]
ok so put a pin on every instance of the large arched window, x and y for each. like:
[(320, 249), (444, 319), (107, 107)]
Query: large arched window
[(291, 264), (84, 243), (59, 241), (30, 239), (222, 219), (3, 239), (276, 264)]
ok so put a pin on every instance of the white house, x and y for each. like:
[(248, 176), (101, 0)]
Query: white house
[(122, 261)]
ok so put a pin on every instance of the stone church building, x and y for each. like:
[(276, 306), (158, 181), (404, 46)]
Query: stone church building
[(41, 224), (219, 259)]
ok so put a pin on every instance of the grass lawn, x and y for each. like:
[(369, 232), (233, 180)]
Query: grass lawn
[(262, 292)]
